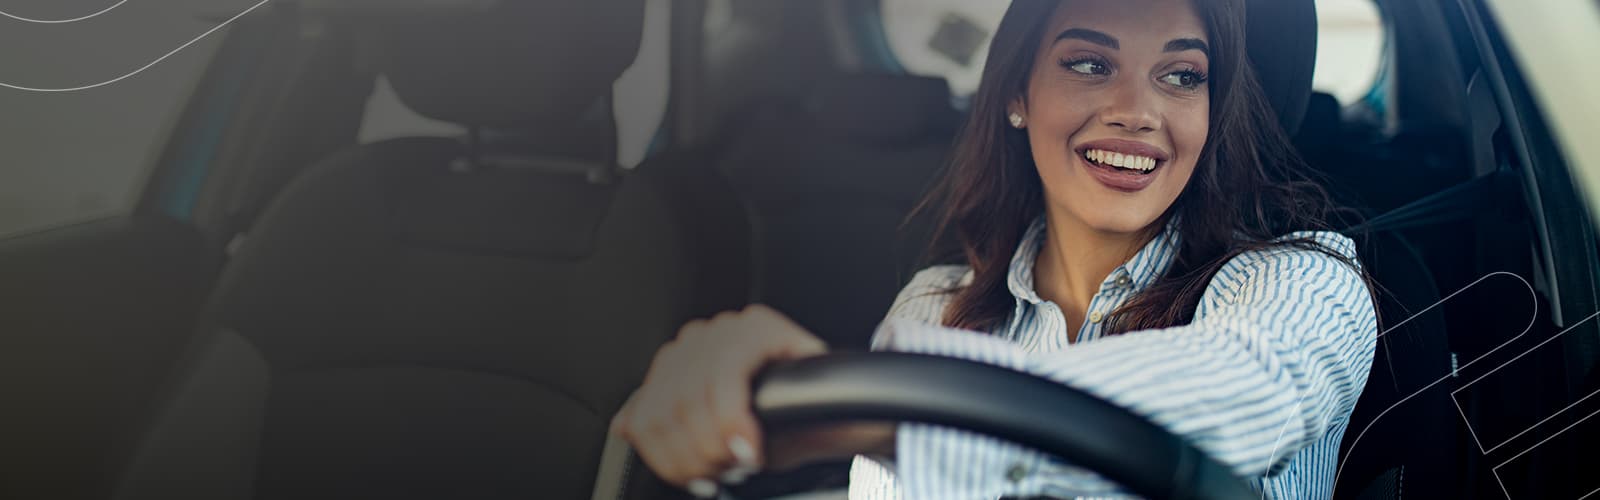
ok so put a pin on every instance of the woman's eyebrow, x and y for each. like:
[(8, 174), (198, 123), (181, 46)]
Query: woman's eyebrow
[(1183, 44), (1090, 36)]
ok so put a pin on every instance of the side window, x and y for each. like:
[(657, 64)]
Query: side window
[(69, 156), (639, 98), (1350, 40), (388, 118), (950, 38)]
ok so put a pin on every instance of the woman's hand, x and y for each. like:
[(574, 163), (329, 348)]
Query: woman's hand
[(691, 420)]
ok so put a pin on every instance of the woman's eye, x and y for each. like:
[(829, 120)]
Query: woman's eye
[(1184, 79), (1086, 66)]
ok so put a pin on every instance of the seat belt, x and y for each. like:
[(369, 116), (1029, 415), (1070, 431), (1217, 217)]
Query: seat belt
[(1459, 202), (610, 481)]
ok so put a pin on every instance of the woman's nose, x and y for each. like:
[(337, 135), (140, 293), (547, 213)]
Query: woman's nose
[(1133, 109)]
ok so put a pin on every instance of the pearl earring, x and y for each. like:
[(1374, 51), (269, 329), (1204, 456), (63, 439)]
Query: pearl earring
[(1016, 120)]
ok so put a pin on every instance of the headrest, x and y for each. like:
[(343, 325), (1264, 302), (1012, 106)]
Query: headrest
[(508, 212), (880, 108), (1281, 36), (1322, 123), (525, 64)]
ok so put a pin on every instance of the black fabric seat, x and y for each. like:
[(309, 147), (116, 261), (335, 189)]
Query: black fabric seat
[(443, 317), (1393, 437), (1397, 434), (830, 180)]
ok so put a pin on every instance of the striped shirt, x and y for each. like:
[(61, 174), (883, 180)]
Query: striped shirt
[(1263, 379)]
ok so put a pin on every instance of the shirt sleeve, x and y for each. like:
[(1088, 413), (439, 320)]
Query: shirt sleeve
[(1275, 358)]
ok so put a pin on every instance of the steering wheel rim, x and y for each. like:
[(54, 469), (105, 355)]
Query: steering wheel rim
[(1120, 445)]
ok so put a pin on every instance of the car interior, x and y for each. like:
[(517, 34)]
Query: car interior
[(294, 312)]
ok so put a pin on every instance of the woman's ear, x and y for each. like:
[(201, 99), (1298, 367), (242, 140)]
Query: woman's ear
[(1016, 113)]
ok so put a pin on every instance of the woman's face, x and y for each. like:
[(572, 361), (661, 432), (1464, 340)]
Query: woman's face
[(1117, 109)]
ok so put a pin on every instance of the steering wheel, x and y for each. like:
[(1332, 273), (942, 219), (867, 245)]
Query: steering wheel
[(1022, 408)]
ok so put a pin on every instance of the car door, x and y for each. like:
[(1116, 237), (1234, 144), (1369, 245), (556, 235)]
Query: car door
[(1531, 416)]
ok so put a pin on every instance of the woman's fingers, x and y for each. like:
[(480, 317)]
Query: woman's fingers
[(702, 430), (655, 427), (691, 420), (735, 433), (687, 457), (673, 432)]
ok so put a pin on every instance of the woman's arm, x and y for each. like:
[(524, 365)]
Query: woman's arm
[(690, 421), (1275, 358)]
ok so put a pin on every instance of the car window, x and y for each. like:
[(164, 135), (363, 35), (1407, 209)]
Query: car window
[(639, 99), (947, 38), (1350, 41), (950, 38), (82, 122)]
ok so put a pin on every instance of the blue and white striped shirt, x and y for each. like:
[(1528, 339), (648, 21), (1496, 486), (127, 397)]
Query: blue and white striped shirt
[(1263, 379)]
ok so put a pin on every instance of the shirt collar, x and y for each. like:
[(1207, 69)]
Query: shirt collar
[(1140, 271)]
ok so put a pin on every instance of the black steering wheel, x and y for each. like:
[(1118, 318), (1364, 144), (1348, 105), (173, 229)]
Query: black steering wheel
[(1119, 445)]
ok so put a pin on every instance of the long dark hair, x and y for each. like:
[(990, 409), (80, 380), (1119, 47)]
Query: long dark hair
[(1248, 189)]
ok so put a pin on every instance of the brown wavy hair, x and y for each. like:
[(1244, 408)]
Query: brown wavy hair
[(1248, 189)]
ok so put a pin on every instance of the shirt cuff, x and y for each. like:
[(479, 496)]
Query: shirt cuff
[(935, 462)]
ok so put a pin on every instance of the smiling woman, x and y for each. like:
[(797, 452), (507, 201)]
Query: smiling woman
[(1134, 225)]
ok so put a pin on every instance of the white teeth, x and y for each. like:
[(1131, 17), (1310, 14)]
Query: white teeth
[(1115, 159)]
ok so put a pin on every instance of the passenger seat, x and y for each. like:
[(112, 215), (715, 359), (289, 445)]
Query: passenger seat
[(433, 317), (1387, 441), (829, 180)]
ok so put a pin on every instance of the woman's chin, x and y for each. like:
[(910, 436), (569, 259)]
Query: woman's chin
[(1119, 223), (1110, 215)]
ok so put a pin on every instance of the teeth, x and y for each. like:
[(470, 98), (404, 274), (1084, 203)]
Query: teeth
[(1115, 159)]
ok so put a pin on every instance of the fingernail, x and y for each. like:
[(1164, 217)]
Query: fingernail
[(702, 488), (737, 475), (742, 451)]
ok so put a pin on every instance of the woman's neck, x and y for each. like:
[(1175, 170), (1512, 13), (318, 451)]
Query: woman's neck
[(1076, 259)]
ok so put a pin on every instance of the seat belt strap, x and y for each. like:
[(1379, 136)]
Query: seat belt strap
[(612, 477), (1458, 202)]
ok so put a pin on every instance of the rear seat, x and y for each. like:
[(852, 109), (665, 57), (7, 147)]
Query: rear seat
[(428, 317), (829, 180)]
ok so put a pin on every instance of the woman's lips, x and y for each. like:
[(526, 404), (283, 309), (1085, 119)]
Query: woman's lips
[(1120, 180), (1122, 165)]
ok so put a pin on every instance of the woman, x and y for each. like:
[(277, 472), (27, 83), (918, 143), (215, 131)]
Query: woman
[(1134, 225)]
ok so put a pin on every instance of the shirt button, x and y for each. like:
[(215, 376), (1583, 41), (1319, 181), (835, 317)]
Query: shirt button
[(1016, 473), (1096, 316), (1123, 280)]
